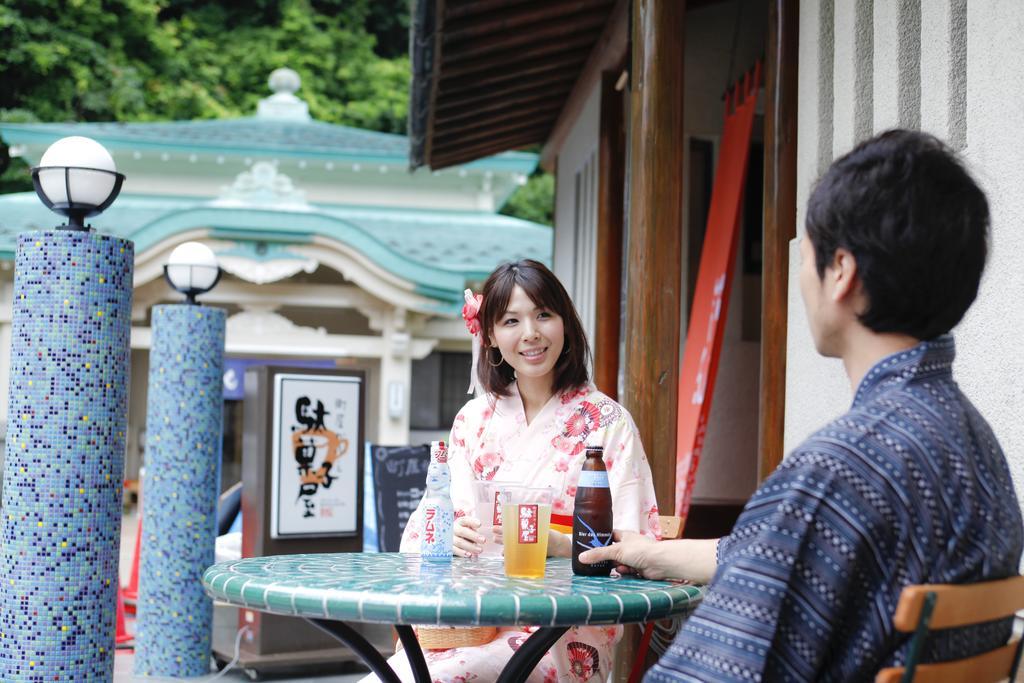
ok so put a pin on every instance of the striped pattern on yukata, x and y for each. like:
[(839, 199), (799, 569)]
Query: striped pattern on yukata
[(909, 486)]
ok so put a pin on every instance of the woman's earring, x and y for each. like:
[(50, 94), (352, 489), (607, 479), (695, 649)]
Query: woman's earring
[(492, 363)]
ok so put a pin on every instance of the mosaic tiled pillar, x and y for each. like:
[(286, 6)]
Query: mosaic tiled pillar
[(64, 463), (184, 423)]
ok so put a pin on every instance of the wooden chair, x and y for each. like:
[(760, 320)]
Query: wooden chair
[(671, 527), (926, 607)]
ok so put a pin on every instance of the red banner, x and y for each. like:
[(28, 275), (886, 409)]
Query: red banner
[(714, 283)]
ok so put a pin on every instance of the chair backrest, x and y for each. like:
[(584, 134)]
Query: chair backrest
[(939, 606), (671, 527)]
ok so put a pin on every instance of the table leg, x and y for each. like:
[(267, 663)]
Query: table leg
[(362, 647), (414, 652), (525, 659)]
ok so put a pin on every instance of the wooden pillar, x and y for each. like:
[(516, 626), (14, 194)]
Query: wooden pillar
[(611, 155), (654, 268), (780, 131)]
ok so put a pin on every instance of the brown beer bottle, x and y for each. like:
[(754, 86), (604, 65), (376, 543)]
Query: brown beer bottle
[(592, 516)]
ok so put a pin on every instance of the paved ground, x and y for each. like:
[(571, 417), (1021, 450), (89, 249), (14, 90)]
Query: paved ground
[(123, 674)]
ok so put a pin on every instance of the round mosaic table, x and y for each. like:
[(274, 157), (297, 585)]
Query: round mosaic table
[(403, 590)]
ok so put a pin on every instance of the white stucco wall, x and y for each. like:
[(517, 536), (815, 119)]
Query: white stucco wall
[(574, 245), (990, 364), (816, 388)]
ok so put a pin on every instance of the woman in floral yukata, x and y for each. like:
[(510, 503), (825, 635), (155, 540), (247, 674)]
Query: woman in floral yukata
[(537, 413)]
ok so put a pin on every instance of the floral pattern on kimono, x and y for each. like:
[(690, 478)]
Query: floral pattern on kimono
[(491, 440)]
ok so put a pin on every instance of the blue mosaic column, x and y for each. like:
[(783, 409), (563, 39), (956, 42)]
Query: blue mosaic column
[(64, 462), (184, 424)]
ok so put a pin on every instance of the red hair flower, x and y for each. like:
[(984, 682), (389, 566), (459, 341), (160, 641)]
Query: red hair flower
[(471, 311)]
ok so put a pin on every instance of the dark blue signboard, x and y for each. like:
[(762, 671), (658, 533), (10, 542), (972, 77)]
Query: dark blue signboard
[(399, 476)]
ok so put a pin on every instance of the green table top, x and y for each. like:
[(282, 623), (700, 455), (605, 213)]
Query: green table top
[(393, 588)]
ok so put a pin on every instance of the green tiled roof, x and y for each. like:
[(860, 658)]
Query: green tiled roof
[(438, 251), (250, 136)]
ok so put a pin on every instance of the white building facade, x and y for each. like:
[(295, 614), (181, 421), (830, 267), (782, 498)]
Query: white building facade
[(955, 69), (334, 253)]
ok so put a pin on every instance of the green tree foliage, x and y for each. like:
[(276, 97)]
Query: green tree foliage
[(172, 60), (143, 60), (534, 201)]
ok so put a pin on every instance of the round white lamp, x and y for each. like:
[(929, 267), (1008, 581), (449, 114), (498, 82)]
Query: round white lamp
[(77, 178), (192, 270)]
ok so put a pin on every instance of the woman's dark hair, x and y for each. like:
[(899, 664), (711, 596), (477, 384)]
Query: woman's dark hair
[(917, 225), (544, 289)]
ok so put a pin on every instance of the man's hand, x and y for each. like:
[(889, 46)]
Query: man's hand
[(632, 553), (467, 542), (683, 560)]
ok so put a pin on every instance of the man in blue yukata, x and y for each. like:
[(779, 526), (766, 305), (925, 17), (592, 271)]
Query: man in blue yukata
[(909, 486)]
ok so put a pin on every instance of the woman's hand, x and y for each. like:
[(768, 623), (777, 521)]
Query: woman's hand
[(467, 541), (559, 544)]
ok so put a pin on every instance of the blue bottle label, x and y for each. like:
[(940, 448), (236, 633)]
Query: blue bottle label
[(593, 479)]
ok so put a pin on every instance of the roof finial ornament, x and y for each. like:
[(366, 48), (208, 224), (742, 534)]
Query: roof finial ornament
[(283, 105), (284, 80)]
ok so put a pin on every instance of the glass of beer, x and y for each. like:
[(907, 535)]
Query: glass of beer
[(488, 511), (526, 517)]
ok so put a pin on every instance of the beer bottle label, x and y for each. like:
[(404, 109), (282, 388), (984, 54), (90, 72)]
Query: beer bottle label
[(593, 479), (587, 537), (527, 524)]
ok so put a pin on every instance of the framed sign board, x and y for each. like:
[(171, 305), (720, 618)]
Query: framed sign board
[(315, 455), (302, 465), (303, 441)]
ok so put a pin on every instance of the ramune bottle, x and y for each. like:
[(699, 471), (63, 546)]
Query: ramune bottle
[(438, 511)]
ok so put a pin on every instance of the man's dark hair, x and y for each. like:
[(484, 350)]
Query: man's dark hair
[(545, 290), (917, 225)]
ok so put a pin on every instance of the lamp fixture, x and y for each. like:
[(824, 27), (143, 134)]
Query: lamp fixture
[(192, 270), (77, 178)]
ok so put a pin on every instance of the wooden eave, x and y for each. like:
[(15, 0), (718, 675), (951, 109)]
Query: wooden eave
[(494, 75)]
